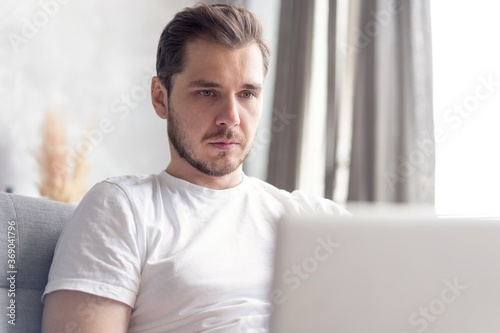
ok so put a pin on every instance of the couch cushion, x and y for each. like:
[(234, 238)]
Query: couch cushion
[(35, 225)]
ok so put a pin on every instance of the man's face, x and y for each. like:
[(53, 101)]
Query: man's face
[(215, 106)]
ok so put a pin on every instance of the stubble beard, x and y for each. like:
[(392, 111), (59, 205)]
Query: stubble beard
[(179, 139)]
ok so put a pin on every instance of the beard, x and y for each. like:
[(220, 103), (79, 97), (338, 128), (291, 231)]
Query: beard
[(222, 164)]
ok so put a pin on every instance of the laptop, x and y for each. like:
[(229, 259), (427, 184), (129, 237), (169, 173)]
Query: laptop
[(386, 275)]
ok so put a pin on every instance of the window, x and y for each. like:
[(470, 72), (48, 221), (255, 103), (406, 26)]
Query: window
[(466, 60)]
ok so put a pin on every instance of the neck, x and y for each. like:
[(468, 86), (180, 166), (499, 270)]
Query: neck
[(194, 176)]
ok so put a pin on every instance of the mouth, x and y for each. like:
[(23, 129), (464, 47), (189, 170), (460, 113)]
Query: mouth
[(224, 144)]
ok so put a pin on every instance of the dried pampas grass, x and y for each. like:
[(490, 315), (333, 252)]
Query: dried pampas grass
[(61, 179)]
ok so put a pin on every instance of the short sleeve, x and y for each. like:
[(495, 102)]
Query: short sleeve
[(98, 251)]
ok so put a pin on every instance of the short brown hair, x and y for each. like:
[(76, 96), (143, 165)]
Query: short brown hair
[(223, 24)]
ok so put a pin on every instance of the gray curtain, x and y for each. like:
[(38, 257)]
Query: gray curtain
[(333, 103), (389, 82), (291, 91), (389, 60)]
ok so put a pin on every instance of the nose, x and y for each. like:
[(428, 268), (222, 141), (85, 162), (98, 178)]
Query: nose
[(228, 115)]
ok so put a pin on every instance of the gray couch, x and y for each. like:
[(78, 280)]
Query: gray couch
[(30, 228)]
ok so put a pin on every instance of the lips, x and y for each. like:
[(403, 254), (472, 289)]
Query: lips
[(224, 145)]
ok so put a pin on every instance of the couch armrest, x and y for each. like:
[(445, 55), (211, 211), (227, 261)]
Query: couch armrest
[(35, 225)]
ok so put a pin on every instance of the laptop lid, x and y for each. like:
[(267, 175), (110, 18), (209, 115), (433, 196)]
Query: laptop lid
[(392, 275)]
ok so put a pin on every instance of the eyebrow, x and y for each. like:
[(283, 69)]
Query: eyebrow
[(211, 84), (252, 86), (204, 84)]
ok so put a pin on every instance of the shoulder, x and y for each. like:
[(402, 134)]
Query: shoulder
[(317, 204), (297, 201), (125, 187), (130, 183), (119, 195), (112, 209)]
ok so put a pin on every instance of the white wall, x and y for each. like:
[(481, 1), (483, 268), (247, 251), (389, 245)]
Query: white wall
[(82, 59)]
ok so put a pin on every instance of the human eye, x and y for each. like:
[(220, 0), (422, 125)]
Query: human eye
[(247, 94), (206, 93)]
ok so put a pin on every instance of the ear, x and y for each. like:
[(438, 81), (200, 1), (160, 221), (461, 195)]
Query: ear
[(159, 97)]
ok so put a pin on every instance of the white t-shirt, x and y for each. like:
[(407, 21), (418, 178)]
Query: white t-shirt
[(184, 257)]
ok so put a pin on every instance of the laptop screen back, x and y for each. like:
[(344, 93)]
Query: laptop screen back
[(359, 275)]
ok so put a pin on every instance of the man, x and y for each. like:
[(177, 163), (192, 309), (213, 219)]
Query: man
[(189, 249)]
